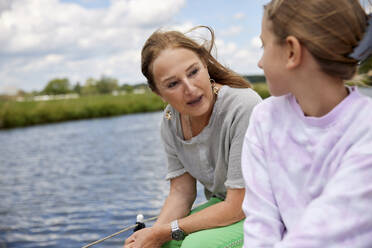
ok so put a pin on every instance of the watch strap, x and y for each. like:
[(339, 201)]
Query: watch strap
[(174, 225)]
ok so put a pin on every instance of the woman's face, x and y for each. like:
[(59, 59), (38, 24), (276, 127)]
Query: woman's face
[(182, 80)]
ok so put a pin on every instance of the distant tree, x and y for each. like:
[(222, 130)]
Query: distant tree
[(141, 86), (89, 87), (106, 85), (21, 93), (77, 88), (57, 86), (127, 88), (255, 78), (35, 93)]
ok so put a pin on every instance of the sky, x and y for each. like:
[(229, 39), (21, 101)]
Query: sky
[(79, 39)]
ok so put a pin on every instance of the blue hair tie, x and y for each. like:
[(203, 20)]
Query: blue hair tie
[(364, 48)]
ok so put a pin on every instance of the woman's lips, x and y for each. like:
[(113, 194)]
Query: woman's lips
[(195, 101)]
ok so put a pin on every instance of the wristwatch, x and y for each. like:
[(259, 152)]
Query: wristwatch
[(177, 232)]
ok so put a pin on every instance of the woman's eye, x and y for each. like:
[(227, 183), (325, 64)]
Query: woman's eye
[(172, 84), (193, 72)]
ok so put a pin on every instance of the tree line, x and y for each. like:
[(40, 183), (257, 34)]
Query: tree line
[(92, 86), (103, 85)]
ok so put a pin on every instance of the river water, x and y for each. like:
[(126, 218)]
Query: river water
[(366, 91), (68, 184)]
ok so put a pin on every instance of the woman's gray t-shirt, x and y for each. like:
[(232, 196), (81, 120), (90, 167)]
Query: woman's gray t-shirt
[(213, 156)]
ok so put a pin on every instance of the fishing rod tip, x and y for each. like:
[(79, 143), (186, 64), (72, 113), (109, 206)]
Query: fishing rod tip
[(140, 218)]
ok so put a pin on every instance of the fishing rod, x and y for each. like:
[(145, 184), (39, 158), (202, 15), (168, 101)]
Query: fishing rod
[(139, 223)]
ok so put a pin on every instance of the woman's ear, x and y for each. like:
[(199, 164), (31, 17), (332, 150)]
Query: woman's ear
[(294, 52), (157, 93)]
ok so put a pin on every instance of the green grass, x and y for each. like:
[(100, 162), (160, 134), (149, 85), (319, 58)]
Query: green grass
[(261, 89), (19, 114)]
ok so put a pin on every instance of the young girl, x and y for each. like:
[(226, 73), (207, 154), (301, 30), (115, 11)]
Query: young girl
[(307, 154)]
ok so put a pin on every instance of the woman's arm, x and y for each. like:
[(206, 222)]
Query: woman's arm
[(181, 196), (221, 214)]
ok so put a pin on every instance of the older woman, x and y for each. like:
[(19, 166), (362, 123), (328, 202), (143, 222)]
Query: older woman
[(202, 131)]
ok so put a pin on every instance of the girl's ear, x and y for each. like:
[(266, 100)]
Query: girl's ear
[(294, 52)]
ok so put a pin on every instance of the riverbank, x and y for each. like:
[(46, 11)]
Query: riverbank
[(20, 114)]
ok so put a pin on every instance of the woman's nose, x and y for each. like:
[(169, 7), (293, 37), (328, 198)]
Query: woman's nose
[(188, 86)]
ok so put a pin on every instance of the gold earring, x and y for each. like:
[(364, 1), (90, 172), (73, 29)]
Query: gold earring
[(215, 89), (168, 115)]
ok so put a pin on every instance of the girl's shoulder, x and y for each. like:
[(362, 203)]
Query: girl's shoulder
[(275, 103), (272, 110)]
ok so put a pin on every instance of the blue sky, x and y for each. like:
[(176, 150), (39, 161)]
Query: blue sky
[(78, 39)]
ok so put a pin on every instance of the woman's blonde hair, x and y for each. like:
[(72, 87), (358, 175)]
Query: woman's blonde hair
[(329, 29), (161, 40)]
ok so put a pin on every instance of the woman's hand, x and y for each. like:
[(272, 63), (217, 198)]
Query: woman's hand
[(177, 205), (144, 238), (150, 237)]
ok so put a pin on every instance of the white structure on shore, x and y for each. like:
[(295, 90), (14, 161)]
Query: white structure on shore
[(48, 97)]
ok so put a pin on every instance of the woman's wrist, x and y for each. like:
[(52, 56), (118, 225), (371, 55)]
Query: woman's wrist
[(163, 231)]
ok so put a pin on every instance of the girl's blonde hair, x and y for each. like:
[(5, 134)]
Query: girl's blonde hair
[(161, 40), (329, 29)]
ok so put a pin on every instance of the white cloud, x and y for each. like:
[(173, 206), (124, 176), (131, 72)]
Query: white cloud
[(146, 12), (239, 16), (225, 48), (256, 42), (183, 27), (241, 59), (231, 31), (42, 39)]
